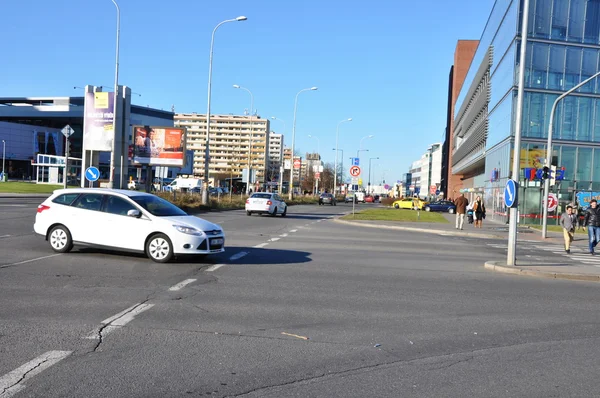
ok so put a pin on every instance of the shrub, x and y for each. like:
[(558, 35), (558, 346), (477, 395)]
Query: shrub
[(388, 201)]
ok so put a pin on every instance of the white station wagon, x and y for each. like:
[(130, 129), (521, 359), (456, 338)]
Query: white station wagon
[(124, 220), (266, 203)]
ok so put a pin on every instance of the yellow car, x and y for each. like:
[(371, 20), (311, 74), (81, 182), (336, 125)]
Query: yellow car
[(410, 203)]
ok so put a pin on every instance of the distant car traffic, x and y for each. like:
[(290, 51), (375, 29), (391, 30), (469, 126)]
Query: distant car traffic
[(266, 203), (409, 203), (369, 199), (327, 199), (441, 205), (124, 220)]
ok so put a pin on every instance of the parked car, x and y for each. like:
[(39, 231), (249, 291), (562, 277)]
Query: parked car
[(369, 199), (357, 196), (266, 203), (124, 220), (441, 205), (409, 203), (327, 199)]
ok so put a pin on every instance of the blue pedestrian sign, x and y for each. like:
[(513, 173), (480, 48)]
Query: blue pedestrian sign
[(355, 162), (510, 193), (92, 173)]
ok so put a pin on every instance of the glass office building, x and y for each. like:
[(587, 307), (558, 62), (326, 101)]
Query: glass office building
[(563, 49)]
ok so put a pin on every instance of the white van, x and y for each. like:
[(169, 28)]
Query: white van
[(185, 184)]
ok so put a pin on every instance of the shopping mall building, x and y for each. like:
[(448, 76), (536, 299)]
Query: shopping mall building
[(563, 49)]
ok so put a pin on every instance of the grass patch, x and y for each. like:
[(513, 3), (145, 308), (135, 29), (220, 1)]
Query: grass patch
[(396, 215), (27, 187), (558, 228)]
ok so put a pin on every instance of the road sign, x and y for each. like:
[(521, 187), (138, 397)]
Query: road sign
[(510, 193), (297, 163), (386, 187), (67, 131), (355, 171), (360, 181), (317, 175), (432, 189), (354, 180), (437, 192), (552, 201), (92, 173), (355, 162)]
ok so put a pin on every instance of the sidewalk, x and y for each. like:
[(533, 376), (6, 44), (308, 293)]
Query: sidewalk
[(561, 268)]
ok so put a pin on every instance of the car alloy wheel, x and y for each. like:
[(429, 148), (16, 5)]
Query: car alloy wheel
[(274, 212), (428, 208), (451, 211), (397, 206), (248, 213), (159, 248), (60, 239)]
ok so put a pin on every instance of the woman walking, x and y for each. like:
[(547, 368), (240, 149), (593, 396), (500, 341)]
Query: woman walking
[(479, 210)]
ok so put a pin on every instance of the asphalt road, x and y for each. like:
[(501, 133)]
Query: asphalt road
[(297, 307)]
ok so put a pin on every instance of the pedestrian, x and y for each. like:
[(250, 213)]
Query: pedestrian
[(479, 210), (567, 222), (592, 222), (461, 208)]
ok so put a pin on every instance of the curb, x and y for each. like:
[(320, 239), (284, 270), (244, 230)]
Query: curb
[(426, 231), (515, 270)]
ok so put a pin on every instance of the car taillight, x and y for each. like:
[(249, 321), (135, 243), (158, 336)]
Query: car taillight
[(41, 208), (247, 201), (269, 203)]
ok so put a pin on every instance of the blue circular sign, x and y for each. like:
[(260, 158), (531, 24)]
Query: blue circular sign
[(510, 193), (92, 173)]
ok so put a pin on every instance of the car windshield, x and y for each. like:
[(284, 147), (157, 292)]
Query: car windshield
[(158, 206), (261, 196)]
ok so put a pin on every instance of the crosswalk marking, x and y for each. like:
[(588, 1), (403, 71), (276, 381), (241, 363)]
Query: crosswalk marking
[(579, 254)]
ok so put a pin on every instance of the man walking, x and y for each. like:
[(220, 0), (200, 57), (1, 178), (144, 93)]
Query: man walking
[(461, 208), (592, 221), (567, 222)]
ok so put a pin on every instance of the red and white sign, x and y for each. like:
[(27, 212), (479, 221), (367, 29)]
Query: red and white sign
[(354, 171), (552, 202), (317, 175), (432, 189), (297, 163)]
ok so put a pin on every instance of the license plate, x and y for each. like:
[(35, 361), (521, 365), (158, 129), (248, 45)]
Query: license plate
[(217, 241)]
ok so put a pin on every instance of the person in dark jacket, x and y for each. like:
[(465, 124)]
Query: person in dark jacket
[(479, 210), (592, 221), (461, 205)]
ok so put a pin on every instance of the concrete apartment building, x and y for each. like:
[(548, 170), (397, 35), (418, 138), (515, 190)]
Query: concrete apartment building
[(230, 139), (562, 50), (275, 156)]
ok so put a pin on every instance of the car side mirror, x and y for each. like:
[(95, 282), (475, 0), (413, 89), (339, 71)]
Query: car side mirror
[(134, 213)]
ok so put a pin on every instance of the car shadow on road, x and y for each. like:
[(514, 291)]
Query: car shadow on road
[(208, 259), (264, 256)]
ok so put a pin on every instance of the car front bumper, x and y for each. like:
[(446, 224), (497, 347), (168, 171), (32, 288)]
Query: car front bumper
[(199, 244)]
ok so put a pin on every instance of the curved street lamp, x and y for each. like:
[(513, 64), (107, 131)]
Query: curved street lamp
[(206, 148), (337, 137), (281, 168), (369, 183), (291, 193)]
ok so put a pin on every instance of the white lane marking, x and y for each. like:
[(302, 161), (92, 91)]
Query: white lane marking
[(120, 314), (294, 230), (4, 236), (125, 319), (274, 239), (238, 256), (283, 235), (13, 205), (261, 245), (214, 267), (29, 261), (119, 320), (12, 382), (181, 285)]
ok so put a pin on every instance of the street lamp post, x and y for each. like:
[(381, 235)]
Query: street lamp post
[(116, 96), (342, 170), (207, 148), (291, 193), (359, 151), (281, 168), (362, 139), (337, 136), (250, 140), (3, 160), (369, 183), (549, 152)]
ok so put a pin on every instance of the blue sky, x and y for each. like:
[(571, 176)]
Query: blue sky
[(384, 63)]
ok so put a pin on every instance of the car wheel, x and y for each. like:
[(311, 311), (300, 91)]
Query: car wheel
[(60, 239), (428, 208), (159, 248), (248, 213), (284, 212), (274, 212), (397, 206), (451, 211)]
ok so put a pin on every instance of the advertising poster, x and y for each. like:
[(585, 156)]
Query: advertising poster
[(98, 132), (585, 197), (160, 146)]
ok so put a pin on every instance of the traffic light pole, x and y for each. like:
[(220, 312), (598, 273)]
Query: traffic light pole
[(549, 153)]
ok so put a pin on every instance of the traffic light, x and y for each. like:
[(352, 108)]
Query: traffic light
[(545, 173), (552, 175)]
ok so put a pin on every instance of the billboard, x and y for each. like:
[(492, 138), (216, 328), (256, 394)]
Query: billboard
[(98, 131), (160, 146)]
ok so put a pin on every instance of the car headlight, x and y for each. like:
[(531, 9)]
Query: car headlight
[(187, 230)]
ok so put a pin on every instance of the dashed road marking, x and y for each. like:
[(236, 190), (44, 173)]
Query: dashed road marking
[(181, 285), (274, 239), (283, 235), (261, 245), (237, 256), (12, 382), (119, 320), (5, 236), (294, 230), (214, 267), (29, 261)]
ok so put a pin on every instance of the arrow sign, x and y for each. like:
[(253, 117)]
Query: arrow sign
[(354, 171), (92, 173), (510, 193), (67, 131)]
